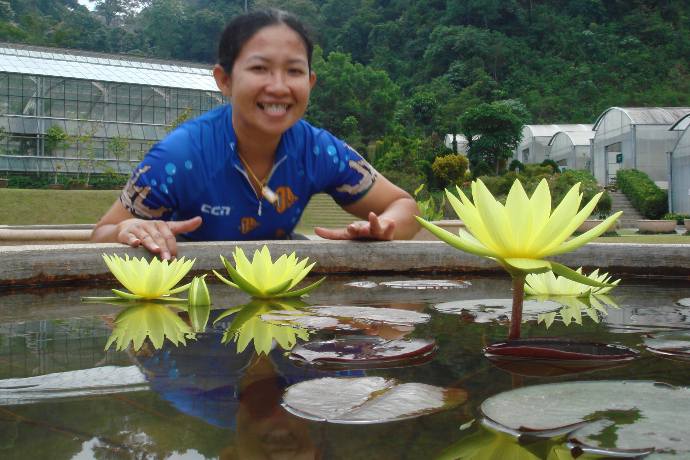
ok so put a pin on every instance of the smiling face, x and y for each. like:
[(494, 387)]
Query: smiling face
[(270, 83)]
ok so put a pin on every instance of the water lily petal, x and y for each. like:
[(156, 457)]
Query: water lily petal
[(494, 212), (556, 228), (126, 295), (571, 274), (583, 239), (303, 291), (225, 280), (457, 241), (519, 214), (242, 283), (243, 265)]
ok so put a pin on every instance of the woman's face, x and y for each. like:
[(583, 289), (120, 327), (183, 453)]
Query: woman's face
[(270, 82)]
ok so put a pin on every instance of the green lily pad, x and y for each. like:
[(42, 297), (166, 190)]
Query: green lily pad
[(367, 400), (489, 310), (607, 417)]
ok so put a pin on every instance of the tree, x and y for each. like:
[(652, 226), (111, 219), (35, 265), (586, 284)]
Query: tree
[(493, 131)]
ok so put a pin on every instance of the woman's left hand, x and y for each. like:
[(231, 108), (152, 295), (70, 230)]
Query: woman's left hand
[(376, 228)]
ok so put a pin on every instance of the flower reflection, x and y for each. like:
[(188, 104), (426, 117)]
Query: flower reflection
[(594, 306), (550, 284), (247, 326), (149, 320)]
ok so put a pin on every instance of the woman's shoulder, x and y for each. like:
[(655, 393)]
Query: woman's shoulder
[(197, 133)]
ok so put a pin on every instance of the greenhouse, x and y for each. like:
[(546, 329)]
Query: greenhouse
[(679, 188), (570, 149), (68, 111), (635, 138), (534, 144)]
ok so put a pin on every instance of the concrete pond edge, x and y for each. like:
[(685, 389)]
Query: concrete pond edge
[(45, 265)]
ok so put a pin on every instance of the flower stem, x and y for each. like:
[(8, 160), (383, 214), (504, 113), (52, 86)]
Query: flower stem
[(516, 315)]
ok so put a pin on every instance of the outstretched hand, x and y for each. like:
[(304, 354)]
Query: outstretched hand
[(157, 236), (376, 228)]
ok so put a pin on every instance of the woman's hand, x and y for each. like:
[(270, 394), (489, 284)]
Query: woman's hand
[(376, 228), (157, 236)]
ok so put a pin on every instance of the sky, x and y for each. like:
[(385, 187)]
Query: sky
[(86, 3)]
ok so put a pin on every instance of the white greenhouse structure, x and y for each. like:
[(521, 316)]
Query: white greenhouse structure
[(69, 111), (679, 188), (534, 144), (571, 149), (461, 143), (635, 138)]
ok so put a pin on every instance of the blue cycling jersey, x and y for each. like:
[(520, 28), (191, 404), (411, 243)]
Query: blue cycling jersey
[(196, 171)]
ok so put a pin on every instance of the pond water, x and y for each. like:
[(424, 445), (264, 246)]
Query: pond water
[(63, 396)]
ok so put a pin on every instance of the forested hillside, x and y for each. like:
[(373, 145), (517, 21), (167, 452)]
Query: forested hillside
[(413, 67)]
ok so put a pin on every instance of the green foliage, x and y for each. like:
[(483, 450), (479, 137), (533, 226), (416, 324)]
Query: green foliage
[(588, 187), (428, 209), (493, 131), (552, 164), (679, 218), (450, 169), (643, 193), (55, 137), (516, 165)]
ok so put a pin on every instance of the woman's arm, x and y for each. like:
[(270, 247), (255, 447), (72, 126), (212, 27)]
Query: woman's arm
[(388, 213), (157, 236)]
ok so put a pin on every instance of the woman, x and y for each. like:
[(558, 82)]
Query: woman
[(247, 170)]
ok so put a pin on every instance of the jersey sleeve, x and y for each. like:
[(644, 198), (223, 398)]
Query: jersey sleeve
[(151, 191), (340, 170)]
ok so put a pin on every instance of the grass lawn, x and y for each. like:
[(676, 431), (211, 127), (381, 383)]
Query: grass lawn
[(29, 207)]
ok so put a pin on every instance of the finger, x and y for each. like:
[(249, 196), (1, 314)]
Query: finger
[(165, 239), (374, 225), (143, 233), (332, 234), (132, 240), (184, 226)]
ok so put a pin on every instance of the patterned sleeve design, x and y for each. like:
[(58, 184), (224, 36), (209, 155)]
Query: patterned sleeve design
[(340, 170)]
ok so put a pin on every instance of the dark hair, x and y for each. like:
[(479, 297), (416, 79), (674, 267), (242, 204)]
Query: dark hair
[(242, 28)]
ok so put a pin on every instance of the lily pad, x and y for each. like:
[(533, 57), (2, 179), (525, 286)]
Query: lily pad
[(367, 400), (610, 417), (546, 356), (362, 284), (426, 284), (673, 345), (382, 315), (490, 310), (684, 302), (364, 352), (648, 318)]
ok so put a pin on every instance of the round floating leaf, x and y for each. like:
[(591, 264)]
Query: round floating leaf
[(382, 315), (684, 302), (650, 317), (489, 310), (362, 284), (426, 284), (545, 356), (364, 352), (673, 345), (616, 417), (367, 400)]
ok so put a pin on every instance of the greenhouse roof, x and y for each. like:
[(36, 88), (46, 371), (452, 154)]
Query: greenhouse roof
[(648, 115), (576, 137), (682, 124), (550, 130), (56, 62)]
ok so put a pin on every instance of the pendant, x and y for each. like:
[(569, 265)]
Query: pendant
[(269, 194)]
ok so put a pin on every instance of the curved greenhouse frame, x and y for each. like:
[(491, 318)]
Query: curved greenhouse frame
[(68, 111), (634, 138), (571, 149), (534, 144)]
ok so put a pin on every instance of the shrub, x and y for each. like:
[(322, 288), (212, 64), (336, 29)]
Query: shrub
[(449, 169), (551, 164), (428, 209), (643, 193), (516, 164), (588, 187), (679, 218)]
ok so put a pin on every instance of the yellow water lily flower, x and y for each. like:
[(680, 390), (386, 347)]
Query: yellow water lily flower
[(548, 284), (148, 280), (153, 320), (264, 279), (198, 304), (248, 326), (524, 231)]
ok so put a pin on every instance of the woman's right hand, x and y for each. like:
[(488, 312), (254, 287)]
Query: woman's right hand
[(157, 236)]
